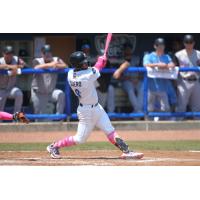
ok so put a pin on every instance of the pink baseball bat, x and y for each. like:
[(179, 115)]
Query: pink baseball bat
[(108, 40)]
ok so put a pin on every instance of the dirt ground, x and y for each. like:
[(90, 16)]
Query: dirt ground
[(100, 157)]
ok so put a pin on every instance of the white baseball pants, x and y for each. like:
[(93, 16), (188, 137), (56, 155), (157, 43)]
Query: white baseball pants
[(90, 117)]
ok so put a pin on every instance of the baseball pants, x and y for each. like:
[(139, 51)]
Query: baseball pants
[(129, 87), (16, 94), (136, 101), (90, 117), (160, 97), (40, 101), (188, 94)]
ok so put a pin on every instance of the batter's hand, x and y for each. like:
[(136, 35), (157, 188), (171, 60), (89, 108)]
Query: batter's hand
[(101, 62), (102, 59), (20, 117)]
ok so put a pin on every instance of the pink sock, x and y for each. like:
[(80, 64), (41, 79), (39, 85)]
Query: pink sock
[(66, 142), (5, 116), (112, 136)]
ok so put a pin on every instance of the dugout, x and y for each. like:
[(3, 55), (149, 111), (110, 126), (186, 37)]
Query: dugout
[(27, 46)]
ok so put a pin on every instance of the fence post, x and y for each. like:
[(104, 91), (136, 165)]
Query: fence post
[(67, 98), (145, 95)]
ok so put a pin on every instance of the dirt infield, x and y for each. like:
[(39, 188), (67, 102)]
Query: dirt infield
[(100, 157)]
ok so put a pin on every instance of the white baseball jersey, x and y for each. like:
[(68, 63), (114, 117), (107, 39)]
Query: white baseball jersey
[(83, 85), (186, 60)]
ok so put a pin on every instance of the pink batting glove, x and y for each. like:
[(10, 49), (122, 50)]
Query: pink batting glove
[(101, 62)]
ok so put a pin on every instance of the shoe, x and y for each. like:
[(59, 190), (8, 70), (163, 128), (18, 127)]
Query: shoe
[(132, 155), (54, 151)]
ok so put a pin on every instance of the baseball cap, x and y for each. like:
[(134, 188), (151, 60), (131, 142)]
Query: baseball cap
[(85, 46), (159, 41), (46, 48), (8, 49), (188, 39)]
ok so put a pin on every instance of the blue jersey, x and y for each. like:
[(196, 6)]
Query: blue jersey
[(157, 84)]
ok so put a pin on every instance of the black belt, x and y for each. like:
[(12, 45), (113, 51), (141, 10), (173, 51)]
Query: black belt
[(190, 79), (94, 105)]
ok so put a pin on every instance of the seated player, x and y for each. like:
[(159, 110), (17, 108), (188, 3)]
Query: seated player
[(18, 116), (90, 113)]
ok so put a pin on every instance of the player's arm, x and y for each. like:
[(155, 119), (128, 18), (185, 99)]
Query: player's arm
[(4, 66), (61, 64), (171, 65), (121, 69), (45, 65), (37, 65), (101, 62), (148, 63), (170, 62), (7, 67), (53, 64), (21, 63)]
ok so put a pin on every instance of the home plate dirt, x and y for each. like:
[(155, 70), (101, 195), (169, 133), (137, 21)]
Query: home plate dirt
[(100, 158)]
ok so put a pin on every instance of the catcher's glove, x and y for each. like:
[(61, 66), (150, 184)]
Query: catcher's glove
[(20, 117)]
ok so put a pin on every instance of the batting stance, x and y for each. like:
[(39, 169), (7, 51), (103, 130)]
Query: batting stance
[(18, 116), (90, 112)]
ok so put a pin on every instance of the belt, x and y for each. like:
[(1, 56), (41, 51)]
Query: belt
[(94, 105), (190, 79)]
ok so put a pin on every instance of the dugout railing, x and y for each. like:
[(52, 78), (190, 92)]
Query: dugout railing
[(69, 115)]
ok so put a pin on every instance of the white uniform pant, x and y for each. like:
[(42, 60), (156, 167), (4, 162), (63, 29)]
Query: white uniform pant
[(40, 101), (188, 94), (16, 94), (90, 117), (161, 97)]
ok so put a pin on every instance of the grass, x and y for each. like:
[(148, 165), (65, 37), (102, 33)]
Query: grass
[(140, 145)]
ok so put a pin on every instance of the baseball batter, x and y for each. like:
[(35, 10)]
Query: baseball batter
[(90, 113)]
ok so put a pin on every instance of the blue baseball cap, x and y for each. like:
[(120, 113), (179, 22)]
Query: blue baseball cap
[(85, 46)]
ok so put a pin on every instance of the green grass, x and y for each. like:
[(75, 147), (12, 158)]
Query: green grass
[(140, 145)]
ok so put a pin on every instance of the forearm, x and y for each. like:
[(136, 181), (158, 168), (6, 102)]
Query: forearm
[(4, 66), (123, 67), (61, 66), (152, 65), (42, 66), (171, 65)]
